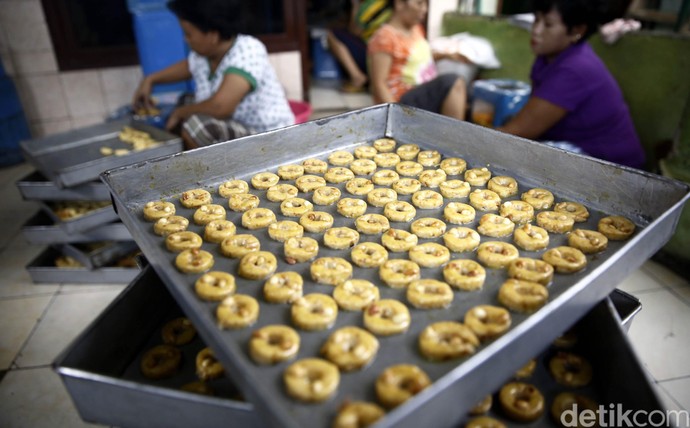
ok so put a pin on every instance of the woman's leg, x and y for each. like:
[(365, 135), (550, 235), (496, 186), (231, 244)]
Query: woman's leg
[(455, 103), (342, 53)]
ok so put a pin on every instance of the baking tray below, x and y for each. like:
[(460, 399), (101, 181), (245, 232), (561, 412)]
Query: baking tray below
[(88, 220), (41, 229), (36, 187), (42, 270), (97, 254), (100, 369)]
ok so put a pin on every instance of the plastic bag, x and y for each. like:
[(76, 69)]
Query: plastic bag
[(476, 49)]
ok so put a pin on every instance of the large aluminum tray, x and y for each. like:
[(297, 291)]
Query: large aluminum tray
[(73, 157), (96, 254), (41, 229), (42, 270), (88, 220), (35, 186), (653, 202), (100, 369)]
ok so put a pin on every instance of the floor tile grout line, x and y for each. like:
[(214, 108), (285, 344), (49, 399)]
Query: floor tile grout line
[(33, 330), (669, 395)]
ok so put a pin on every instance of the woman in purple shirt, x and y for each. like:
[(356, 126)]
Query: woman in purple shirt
[(574, 97)]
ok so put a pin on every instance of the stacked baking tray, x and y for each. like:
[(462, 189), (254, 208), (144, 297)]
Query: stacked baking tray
[(66, 179), (652, 202)]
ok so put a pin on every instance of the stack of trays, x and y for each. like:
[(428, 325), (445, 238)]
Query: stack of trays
[(77, 220)]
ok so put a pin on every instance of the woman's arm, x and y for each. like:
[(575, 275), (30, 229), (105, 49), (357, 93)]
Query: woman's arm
[(174, 73), (534, 119), (379, 69)]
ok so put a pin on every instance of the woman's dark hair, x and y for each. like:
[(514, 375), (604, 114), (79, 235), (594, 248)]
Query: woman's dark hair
[(576, 12), (228, 17)]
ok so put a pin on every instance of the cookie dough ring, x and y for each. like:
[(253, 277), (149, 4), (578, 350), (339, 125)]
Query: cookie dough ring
[(459, 213), (230, 187), (316, 221), (477, 176), (519, 212), (179, 331), (308, 183), (156, 210), (295, 207), (483, 406), (350, 348), (357, 414), (428, 227), (555, 222), (496, 254), (432, 177), (351, 207), (315, 311), (533, 270), (588, 241), (273, 344), (300, 250), (429, 157), (283, 287), (386, 317), (385, 177), (264, 180), (208, 213), (453, 166), (365, 152), (522, 296), (408, 151), (168, 225), (540, 199), (326, 195), (379, 197), (464, 274), (194, 261), (290, 172), (399, 211), (217, 230), (485, 200), (399, 383), (241, 202), (283, 230), (372, 224), (258, 218), (446, 340), (616, 227), (207, 365), (281, 192), (315, 166), (485, 422), (409, 168), (575, 404), (527, 370), (355, 294), (399, 273), (368, 255), (338, 174), (398, 240), (461, 239), (429, 293), (427, 199), (257, 265), (198, 387), (406, 186), (330, 270), (521, 402), (340, 238), (185, 240), (237, 246), (488, 321), (195, 198), (359, 186), (495, 226), (454, 189), (570, 370), (237, 311), (341, 158), (214, 286), (503, 185), (429, 254), (579, 212), (386, 159), (565, 259), (311, 380), (160, 362), (531, 238)]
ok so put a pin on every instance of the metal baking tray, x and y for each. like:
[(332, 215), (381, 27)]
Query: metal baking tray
[(73, 157), (41, 229), (97, 254), (35, 186), (42, 270), (100, 369), (627, 306), (653, 202), (88, 220)]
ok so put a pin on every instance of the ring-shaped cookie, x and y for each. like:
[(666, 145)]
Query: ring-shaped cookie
[(368, 254), (207, 365), (295, 207), (495, 226), (350, 348), (385, 144), (464, 274), (372, 224), (408, 151), (351, 207), (185, 240), (428, 227), (308, 183), (380, 196), (503, 185), (326, 195), (178, 331), (283, 287), (400, 211), (281, 192), (406, 186), (340, 238), (386, 159), (616, 227), (283, 230), (477, 176), (428, 293), (208, 213), (555, 222), (529, 269), (399, 273), (461, 239), (429, 157), (355, 294), (316, 221), (160, 362), (257, 265), (341, 158), (578, 211), (156, 210), (215, 286), (409, 168), (496, 254), (300, 250), (230, 187), (488, 321), (258, 218), (522, 296), (338, 174), (432, 177), (454, 189), (315, 166), (359, 186), (519, 212), (217, 230), (273, 344), (531, 238), (315, 311), (386, 317), (588, 241), (446, 340), (195, 198), (429, 254), (290, 172), (398, 240), (264, 180), (459, 213), (565, 259), (385, 177), (485, 200), (398, 383), (241, 202), (521, 402), (365, 152), (540, 199), (237, 311), (427, 199), (355, 414), (167, 225), (571, 370), (330, 270), (311, 379), (453, 166), (237, 246)]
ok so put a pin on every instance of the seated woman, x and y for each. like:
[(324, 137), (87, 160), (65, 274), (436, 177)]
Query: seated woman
[(237, 91), (402, 67), (574, 98)]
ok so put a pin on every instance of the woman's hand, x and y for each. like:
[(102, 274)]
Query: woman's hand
[(142, 96)]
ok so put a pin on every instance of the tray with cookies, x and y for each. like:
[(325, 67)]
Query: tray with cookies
[(387, 263), (52, 266), (42, 229), (35, 186)]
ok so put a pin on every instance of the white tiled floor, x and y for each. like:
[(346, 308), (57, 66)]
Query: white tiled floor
[(39, 321)]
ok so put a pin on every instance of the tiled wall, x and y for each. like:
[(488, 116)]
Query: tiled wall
[(57, 101)]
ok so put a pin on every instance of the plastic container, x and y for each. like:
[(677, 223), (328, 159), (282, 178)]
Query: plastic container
[(301, 110), (325, 65), (495, 101)]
